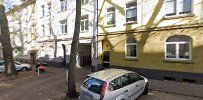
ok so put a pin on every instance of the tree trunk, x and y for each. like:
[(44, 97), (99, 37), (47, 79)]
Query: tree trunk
[(5, 41), (73, 53)]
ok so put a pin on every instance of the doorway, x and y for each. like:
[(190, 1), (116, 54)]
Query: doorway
[(106, 60), (85, 54)]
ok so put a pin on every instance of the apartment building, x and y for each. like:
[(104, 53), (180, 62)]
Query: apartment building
[(160, 39), (21, 21), (55, 26)]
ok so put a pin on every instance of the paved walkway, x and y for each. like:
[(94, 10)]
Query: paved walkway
[(177, 88)]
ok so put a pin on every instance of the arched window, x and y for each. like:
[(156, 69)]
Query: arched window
[(131, 48), (178, 48)]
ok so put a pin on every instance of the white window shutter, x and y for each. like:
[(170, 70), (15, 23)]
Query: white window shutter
[(185, 6), (170, 7)]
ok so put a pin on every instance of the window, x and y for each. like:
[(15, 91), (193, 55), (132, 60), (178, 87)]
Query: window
[(131, 48), (178, 7), (131, 11), (111, 16), (63, 5), (178, 48), (134, 77), (63, 26), (84, 23), (125, 80), (84, 1), (43, 31), (42, 7), (49, 7), (115, 84), (93, 84), (50, 30)]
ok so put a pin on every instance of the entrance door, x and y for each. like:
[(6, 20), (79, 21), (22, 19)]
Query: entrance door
[(85, 55), (106, 61)]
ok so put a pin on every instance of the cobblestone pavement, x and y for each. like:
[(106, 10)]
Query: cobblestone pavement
[(52, 86)]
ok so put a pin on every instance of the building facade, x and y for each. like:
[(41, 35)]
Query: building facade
[(21, 21), (157, 38), (55, 26)]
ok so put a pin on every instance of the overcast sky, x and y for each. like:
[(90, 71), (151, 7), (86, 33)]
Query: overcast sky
[(10, 3)]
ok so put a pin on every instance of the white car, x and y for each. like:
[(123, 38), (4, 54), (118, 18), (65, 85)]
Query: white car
[(113, 84), (18, 65)]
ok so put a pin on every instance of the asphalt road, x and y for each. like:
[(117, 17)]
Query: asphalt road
[(52, 86)]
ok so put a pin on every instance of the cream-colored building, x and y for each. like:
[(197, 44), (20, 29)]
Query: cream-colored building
[(21, 21), (152, 36), (55, 26)]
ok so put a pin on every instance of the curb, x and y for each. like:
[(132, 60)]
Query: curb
[(201, 97)]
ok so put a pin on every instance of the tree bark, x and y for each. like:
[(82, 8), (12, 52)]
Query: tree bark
[(73, 53), (5, 41)]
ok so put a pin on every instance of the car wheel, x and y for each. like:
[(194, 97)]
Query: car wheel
[(24, 69), (146, 89)]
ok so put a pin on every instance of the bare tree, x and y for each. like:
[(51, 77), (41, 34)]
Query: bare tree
[(74, 50), (5, 41)]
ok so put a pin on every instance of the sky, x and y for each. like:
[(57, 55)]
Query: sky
[(9, 3)]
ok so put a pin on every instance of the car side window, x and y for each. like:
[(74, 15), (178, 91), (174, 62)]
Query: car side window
[(115, 84), (125, 80), (134, 77)]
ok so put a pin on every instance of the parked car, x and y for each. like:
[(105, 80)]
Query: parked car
[(19, 66), (113, 84)]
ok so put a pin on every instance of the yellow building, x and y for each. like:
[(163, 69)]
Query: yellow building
[(157, 38)]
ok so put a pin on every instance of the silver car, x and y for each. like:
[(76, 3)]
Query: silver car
[(113, 84), (18, 65)]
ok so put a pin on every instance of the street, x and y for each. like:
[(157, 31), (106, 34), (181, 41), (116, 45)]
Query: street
[(52, 86)]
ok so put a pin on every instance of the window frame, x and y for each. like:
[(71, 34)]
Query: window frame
[(130, 8), (131, 57), (64, 7), (111, 12), (66, 26), (84, 20), (177, 9), (177, 45), (49, 8), (43, 10), (43, 29)]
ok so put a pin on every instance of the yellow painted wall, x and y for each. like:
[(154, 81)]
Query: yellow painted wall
[(152, 55)]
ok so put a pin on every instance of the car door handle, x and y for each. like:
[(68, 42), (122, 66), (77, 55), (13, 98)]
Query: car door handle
[(126, 91)]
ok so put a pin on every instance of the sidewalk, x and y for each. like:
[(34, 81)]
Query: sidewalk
[(177, 87)]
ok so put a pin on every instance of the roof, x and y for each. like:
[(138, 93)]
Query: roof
[(108, 73)]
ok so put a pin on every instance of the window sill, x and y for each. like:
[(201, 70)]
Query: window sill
[(129, 23), (179, 61), (178, 16), (83, 31), (109, 26), (131, 59), (62, 11)]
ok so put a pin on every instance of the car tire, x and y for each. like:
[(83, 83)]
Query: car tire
[(146, 89), (24, 69)]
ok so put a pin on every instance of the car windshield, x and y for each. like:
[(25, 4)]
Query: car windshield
[(93, 84)]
